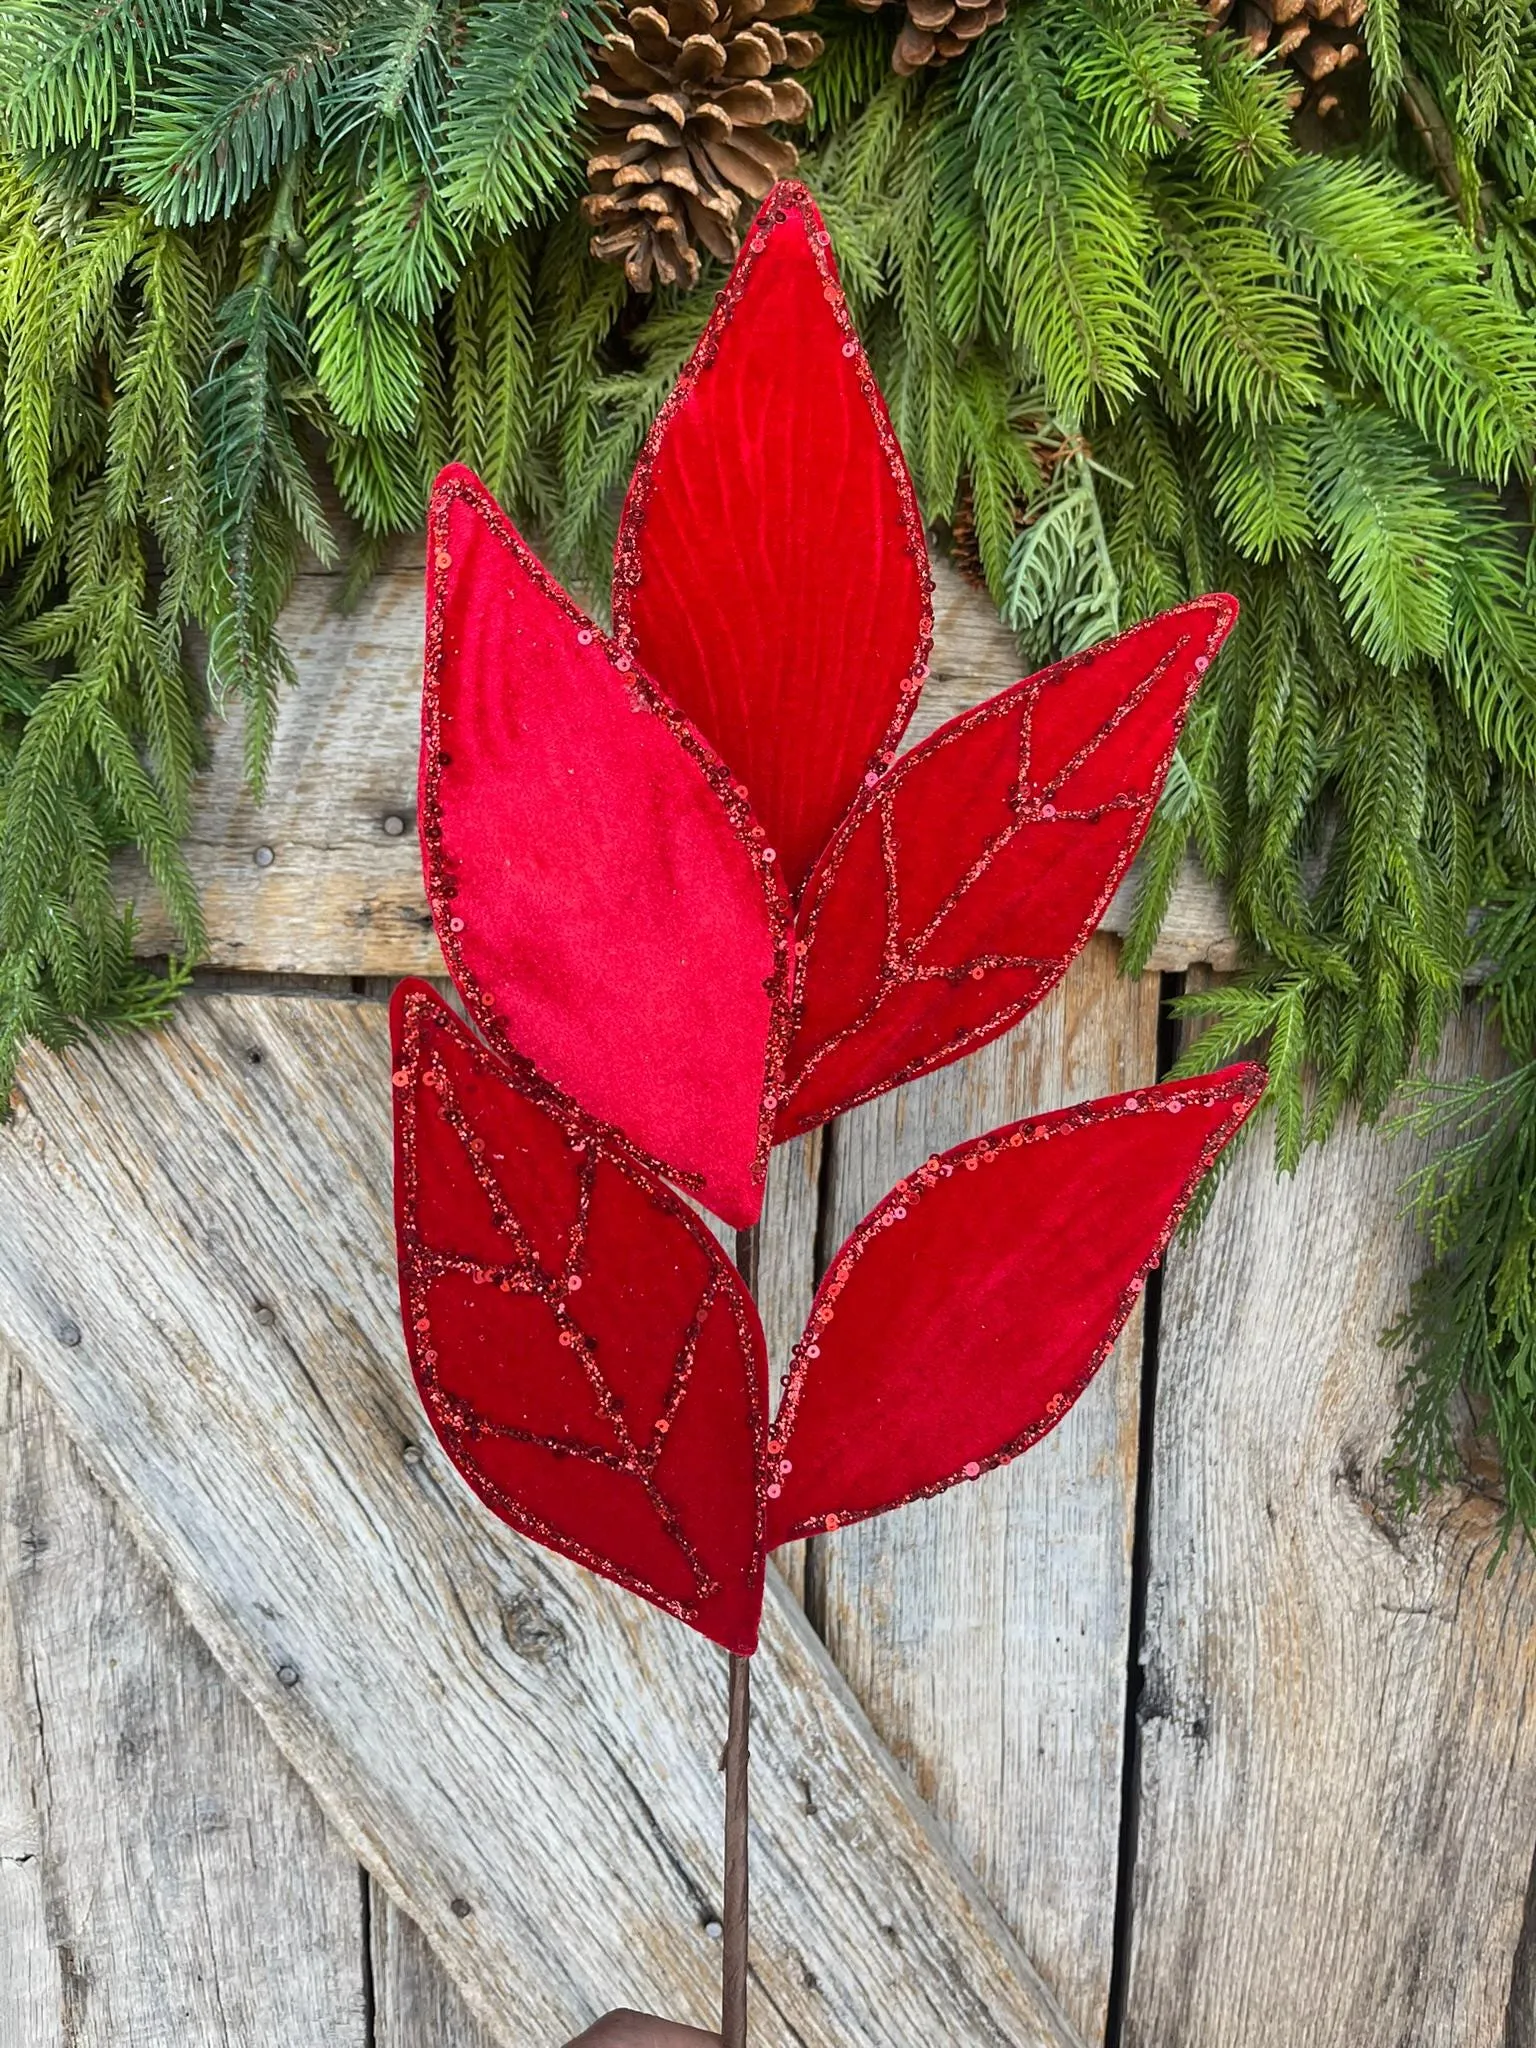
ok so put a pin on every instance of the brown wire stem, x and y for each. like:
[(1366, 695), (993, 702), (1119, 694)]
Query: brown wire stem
[(733, 1962)]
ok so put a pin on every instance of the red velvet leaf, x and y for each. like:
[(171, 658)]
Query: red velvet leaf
[(970, 1308), (771, 572), (585, 1351), (969, 875), (600, 891)]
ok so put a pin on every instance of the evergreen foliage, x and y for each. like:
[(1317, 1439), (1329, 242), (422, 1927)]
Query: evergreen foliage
[(1129, 320), (1470, 1330)]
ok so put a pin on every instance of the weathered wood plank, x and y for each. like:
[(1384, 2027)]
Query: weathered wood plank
[(1338, 1743), (324, 877), (165, 1880), (778, 1262), (986, 1632), (524, 1756), (1520, 2031), (416, 2004)]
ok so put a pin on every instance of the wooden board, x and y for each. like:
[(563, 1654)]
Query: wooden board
[(165, 1880), (1338, 1729), (986, 1632), (325, 878), (416, 2004), (195, 1257), (778, 1261), (1521, 2031)]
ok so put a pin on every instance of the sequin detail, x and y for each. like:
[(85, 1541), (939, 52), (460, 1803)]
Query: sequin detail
[(788, 198), (1242, 1088), (441, 884), (1029, 803), (523, 1272)]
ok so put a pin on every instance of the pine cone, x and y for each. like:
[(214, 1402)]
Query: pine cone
[(682, 106), (1317, 38), (964, 550), (935, 31)]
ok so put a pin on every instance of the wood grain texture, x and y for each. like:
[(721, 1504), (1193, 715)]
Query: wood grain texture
[(165, 1880), (778, 1261), (416, 2003), (524, 1756), (1338, 1727), (1520, 2032), (312, 882), (986, 1632)]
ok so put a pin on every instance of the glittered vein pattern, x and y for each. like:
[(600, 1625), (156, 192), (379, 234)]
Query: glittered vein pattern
[(771, 571), (972, 872), (586, 1354), (970, 1309), (606, 902)]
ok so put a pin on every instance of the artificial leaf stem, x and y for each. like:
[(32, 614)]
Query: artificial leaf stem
[(733, 1961)]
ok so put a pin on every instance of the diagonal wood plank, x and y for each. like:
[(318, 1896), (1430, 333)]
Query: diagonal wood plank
[(165, 1880), (324, 877), (1338, 1739), (194, 1258), (986, 1632)]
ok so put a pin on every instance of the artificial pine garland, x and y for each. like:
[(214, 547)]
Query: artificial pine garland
[(1145, 328)]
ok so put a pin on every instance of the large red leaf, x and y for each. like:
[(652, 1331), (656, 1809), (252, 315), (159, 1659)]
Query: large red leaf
[(587, 1354), (605, 900), (970, 1308), (771, 571), (970, 874)]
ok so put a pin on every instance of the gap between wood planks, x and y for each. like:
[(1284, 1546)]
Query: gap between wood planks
[(805, 1565), (1169, 1035), (370, 1982)]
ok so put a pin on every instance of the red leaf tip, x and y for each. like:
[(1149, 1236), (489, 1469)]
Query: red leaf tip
[(776, 583), (970, 1308)]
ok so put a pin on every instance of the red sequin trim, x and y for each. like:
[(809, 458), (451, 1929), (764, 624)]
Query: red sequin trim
[(1241, 1091), (440, 884), (456, 1423), (787, 198), (1031, 804)]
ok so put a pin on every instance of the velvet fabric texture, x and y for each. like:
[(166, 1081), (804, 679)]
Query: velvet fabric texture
[(771, 572), (695, 903), (677, 869), (587, 1354), (968, 877), (596, 1370), (600, 897), (969, 1310)]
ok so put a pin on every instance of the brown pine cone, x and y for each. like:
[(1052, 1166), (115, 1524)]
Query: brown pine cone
[(935, 31), (1317, 38), (683, 104), (964, 550)]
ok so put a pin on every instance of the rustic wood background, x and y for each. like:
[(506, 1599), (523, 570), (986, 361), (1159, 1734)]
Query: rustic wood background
[(1173, 1735)]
